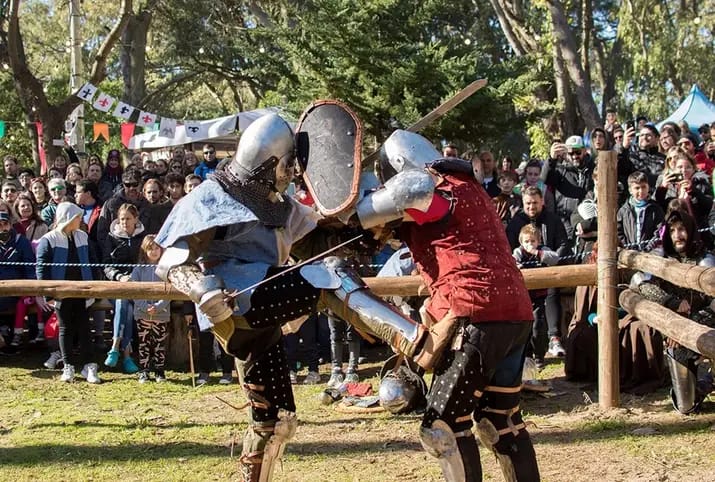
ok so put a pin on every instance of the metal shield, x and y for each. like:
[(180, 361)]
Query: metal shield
[(329, 143)]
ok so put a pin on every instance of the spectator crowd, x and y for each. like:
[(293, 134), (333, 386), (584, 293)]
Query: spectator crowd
[(83, 214)]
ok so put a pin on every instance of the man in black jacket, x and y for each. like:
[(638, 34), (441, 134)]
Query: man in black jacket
[(569, 172), (554, 236), (645, 157)]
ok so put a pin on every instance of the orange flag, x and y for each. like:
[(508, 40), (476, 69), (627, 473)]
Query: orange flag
[(101, 129)]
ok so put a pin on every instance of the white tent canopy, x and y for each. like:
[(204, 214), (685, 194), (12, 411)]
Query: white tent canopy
[(696, 110), (203, 130)]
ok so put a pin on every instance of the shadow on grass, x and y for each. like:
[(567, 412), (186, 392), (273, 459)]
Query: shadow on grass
[(184, 425), (68, 453), (132, 425)]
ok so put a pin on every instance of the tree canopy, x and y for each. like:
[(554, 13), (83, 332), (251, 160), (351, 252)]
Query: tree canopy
[(553, 67)]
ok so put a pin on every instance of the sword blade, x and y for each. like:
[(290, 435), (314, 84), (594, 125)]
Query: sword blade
[(295, 266), (447, 105), (436, 113)]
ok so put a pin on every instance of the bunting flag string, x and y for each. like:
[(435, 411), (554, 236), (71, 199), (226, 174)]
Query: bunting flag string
[(104, 102), (165, 127)]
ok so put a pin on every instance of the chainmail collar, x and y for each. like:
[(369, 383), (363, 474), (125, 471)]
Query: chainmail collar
[(253, 194)]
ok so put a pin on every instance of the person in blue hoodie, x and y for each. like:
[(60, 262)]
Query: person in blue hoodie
[(152, 316)]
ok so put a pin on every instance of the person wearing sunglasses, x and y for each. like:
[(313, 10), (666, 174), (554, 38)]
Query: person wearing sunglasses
[(129, 193), (58, 194), (569, 173), (208, 165), (9, 192), (646, 155), (25, 177)]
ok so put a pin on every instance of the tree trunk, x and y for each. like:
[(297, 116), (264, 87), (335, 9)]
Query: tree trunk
[(568, 118), (53, 122), (30, 89), (513, 24), (610, 66), (133, 57), (567, 44)]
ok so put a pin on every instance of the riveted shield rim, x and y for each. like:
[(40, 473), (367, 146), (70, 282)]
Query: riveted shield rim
[(352, 196)]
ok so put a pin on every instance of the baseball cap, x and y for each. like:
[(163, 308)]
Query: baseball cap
[(4, 216), (574, 142)]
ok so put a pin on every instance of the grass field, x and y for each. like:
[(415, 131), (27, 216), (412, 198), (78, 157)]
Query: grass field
[(121, 430)]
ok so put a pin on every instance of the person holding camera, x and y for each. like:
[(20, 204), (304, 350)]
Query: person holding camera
[(646, 157), (703, 163), (684, 181)]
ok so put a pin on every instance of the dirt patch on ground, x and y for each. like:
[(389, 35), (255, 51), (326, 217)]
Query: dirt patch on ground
[(575, 440)]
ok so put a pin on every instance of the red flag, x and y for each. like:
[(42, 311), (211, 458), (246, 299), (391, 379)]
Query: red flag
[(127, 129), (40, 149)]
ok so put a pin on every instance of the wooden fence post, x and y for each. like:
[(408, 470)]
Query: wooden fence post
[(608, 377)]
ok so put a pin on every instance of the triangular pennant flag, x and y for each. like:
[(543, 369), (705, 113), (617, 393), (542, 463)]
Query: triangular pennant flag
[(41, 149), (123, 110), (103, 102), (86, 92), (146, 119), (2, 129), (101, 129), (167, 128), (127, 129), (195, 129)]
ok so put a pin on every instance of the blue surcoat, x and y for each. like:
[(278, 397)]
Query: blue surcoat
[(248, 249)]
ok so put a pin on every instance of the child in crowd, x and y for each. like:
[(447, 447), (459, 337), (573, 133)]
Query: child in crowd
[(532, 253), (506, 202), (192, 180), (64, 254), (640, 217), (152, 316), (532, 177), (121, 248)]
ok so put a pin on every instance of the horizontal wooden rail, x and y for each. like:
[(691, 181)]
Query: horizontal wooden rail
[(536, 278), (680, 274), (688, 333)]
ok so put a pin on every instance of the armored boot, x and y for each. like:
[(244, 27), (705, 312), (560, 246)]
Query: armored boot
[(263, 445), (684, 393)]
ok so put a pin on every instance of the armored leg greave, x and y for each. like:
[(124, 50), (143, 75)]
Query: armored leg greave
[(267, 386), (684, 393), (350, 299), (263, 445), (502, 430)]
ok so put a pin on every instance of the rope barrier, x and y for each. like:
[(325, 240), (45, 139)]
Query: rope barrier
[(576, 257)]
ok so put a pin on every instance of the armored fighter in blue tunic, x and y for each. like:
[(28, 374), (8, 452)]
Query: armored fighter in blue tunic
[(236, 229)]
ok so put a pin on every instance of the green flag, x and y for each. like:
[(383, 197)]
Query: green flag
[(2, 129)]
